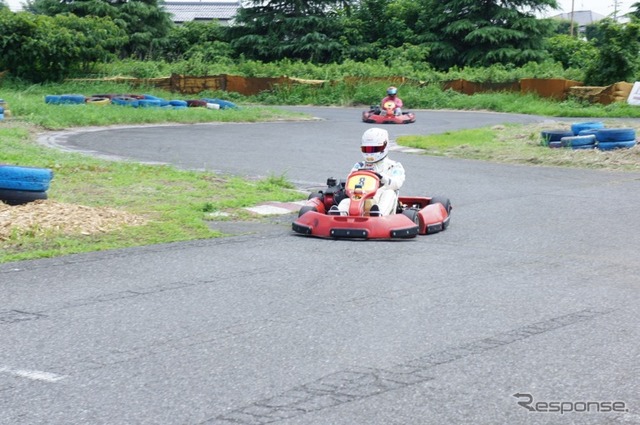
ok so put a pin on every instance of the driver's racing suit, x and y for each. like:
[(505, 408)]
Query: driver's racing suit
[(391, 181), (395, 99)]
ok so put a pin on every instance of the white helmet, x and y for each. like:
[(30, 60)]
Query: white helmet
[(375, 144)]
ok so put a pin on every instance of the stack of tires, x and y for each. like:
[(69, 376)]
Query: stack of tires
[(20, 185), (4, 109), (615, 138), (65, 99), (590, 135), (137, 101)]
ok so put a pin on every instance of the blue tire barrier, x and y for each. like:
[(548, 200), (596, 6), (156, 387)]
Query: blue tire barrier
[(1, 113), (224, 104), (577, 127), (104, 96), (609, 146), (195, 103), (572, 141), (34, 179), (556, 145), (18, 197), (178, 103), (125, 101), (52, 99), (149, 103), (72, 99), (616, 135), (98, 101), (587, 132), (163, 102), (584, 147), (554, 135)]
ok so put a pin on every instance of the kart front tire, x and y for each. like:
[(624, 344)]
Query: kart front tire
[(306, 209), (413, 215)]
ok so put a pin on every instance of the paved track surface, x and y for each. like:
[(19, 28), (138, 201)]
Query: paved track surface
[(533, 289)]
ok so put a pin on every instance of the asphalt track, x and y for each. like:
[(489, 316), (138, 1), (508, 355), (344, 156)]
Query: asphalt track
[(533, 290)]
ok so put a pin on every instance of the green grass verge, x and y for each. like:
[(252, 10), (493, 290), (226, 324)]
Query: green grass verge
[(175, 204), (523, 144)]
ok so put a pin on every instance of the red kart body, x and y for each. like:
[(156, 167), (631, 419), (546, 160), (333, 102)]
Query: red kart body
[(414, 216), (386, 115)]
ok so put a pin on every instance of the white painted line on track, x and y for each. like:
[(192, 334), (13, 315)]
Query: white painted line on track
[(34, 375), (273, 208), (269, 210)]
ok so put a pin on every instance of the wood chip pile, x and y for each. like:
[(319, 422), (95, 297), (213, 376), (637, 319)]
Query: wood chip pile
[(47, 217)]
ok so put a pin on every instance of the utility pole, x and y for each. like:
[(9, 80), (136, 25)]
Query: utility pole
[(571, 27), (615, 9)]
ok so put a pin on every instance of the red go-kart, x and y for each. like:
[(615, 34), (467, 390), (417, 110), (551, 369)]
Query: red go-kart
[(414, 215), (386, 115)]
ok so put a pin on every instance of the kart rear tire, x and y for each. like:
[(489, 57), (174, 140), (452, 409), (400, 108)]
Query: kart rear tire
[(306, 209), (446, 203)]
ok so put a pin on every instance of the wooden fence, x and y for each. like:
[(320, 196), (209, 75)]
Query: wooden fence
[(555, 88)]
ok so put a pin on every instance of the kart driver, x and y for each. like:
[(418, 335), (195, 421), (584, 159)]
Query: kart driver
[(392, 96), (375, 148)]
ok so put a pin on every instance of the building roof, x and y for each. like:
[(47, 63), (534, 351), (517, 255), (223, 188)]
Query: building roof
[(581, 17), (182, 11)]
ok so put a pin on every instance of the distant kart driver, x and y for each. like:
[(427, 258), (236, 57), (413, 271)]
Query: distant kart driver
[(392, 96), (375, 148)]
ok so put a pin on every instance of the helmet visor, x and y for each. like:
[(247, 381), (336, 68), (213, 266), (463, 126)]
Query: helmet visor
[(373, 149)]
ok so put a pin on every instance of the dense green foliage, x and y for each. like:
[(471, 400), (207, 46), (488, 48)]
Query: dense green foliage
[(144, 21), (473, 33), (42, 48), (278, 29), (322, 39), (618, 59), (571, 52)]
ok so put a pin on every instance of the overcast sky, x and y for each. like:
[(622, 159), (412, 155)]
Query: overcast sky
[(603, 7)]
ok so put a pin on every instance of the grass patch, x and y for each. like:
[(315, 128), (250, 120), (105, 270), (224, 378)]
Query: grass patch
[(27, 104), (174, 204), (523, 144)]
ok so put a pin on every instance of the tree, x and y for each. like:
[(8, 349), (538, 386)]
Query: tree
[(572, 52), (484, 32), (277, 29), (41, 48), (617, 58), (204, 38), (145, 23)]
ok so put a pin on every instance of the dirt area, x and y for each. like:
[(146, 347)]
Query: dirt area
[(47, 216)]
